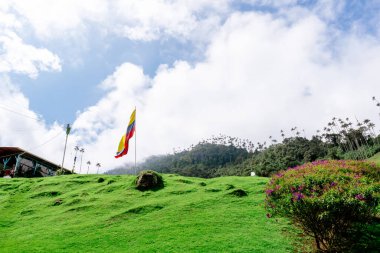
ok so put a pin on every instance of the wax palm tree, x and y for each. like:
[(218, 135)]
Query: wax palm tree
[(76, 148), (338, 132), (88, 166), (98, 165), (345, 126), (371, 126), (81, 157), (292, 129)]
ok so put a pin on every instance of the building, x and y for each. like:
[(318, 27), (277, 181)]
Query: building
[(16, 162)]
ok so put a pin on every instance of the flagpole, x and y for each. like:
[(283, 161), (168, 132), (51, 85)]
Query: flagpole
[(135, 143)]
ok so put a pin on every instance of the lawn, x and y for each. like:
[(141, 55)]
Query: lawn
[(375, 158), (79, 213)]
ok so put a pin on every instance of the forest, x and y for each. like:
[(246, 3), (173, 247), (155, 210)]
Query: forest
[(226, 156)]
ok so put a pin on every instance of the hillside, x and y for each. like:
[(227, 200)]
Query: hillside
[(375, 158), (230, 156), (78, 213)]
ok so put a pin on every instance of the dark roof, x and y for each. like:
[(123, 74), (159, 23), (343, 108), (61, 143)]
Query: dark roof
[(13, 151)]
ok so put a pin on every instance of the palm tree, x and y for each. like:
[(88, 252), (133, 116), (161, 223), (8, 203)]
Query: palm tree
[(345, 133), (339, 133), (76, 148), (371, 126), (98, 165), (81, 157), (88, 166), (293, 130)]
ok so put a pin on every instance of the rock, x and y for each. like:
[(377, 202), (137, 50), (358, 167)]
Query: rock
[(149, 180), (239, 193)]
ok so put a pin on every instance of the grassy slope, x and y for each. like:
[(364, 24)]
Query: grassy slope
[(114, 217), (375, 158)]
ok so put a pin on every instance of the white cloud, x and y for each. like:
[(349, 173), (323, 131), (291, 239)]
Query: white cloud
[(328, 9), (261, 73), (151, 19), (137, 20), (274, 3), (15, 54), (23, 58), (8, 20), (22, 127), (52, 19), (251, 85), (100, 127)]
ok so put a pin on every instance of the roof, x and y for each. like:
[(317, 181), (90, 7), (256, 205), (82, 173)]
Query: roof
[(13, 151)]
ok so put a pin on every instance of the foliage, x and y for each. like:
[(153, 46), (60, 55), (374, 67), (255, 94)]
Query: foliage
[(228, 156), (292, 152), (60, 172), (330, 200), (364, 151), (98, 217), (202, 160)]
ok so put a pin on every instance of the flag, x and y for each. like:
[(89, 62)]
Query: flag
[(123, 145)]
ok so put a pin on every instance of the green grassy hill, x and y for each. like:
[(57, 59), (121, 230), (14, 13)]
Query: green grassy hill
[(375, 158), (76, 213)]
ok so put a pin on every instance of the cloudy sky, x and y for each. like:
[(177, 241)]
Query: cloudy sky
[(193, 69)]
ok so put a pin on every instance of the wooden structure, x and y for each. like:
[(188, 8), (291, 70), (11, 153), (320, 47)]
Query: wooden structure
[(16, 162)]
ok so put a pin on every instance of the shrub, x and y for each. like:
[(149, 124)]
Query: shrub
[(149, 180), (363, 152), (330, 200), (60, 172), (239, 193), (111, 181)]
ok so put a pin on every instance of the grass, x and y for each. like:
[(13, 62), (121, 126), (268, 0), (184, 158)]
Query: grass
[(375, 159), (79, 213)]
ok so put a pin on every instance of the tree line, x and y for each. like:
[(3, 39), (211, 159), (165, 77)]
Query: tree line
[(224, 155)]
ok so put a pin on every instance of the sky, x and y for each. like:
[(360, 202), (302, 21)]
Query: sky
[(192, 68)]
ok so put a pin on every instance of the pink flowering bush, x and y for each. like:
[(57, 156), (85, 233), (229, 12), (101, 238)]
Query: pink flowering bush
[(330, 200)]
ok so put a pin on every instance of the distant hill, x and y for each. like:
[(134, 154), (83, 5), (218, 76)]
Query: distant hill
[(230, 156), (101, 213), (204, 160)]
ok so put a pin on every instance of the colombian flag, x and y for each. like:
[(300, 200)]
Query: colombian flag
[(123, 145)]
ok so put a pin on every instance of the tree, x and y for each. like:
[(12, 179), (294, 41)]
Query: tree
[(98, 165), (88, 166), (76, 148), (81, 157)]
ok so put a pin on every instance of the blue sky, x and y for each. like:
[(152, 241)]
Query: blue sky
[(89, 63), (57, 96)]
